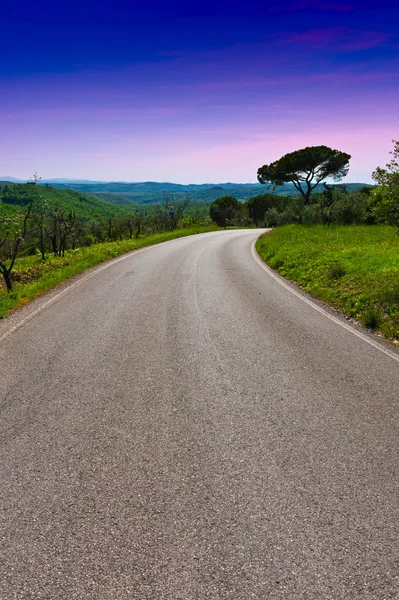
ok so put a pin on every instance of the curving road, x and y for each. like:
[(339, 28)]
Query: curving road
[(179, 425)]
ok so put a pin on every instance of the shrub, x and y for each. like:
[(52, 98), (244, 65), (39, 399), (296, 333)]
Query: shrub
[(371, 318), (336, 271)]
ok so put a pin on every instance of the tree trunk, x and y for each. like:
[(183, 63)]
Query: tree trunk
[(42, 245), (7, 278)]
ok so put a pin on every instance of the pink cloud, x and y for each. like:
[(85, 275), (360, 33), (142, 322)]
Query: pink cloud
[(340, 38)]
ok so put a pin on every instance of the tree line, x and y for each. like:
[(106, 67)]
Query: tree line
[(307, 169), (38, 226)]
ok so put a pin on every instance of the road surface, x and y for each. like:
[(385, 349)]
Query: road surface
[(180, 426)]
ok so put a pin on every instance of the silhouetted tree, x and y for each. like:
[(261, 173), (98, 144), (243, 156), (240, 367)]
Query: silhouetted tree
[(306, 168)]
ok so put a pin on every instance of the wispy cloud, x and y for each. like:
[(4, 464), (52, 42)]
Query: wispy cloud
[(339, 38)]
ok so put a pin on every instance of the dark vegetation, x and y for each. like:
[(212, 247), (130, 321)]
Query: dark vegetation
[(326, 204), (335, 204), (306, 169), (226, 210)]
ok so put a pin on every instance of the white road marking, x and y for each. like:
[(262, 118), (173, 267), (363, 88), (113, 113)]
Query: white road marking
[(72, 286), (255, 255), (313, 304)]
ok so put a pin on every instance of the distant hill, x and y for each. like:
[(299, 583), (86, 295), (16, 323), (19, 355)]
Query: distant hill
[(7, 179), (86, 206), (49, 181), (121, 194), (114, 199), (124, 194)]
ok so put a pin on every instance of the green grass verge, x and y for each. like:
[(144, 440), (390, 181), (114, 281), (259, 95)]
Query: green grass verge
[(353, 268), (33, 277)]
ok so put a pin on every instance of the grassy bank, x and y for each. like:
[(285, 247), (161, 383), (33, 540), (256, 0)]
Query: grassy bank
[(353, 268), (33, 277)]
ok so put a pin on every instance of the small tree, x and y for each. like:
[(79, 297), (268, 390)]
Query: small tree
[(174, 209), (13, 229), (271, 217), (133, 224), (39, 214), (387, 193), (59, 228), (327, 203), (306, 168), (224, 209), (258, 205), (108, 225), (66, 223)]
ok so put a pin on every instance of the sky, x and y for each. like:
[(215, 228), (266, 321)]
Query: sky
[(194, 92)]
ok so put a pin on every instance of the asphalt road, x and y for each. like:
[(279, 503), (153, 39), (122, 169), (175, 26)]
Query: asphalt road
[(181, 426)]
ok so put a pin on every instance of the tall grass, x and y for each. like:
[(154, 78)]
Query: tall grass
[(353, 268), (33, 277)]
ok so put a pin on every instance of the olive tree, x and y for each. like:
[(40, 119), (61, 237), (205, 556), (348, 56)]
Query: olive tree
[(13, 229)]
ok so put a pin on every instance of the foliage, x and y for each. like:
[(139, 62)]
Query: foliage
[(57, 220), (387, 194), (334, 205), (271, 217), (354, 267), (306, 168), (85, 206), (224, 210), (146, 193), (13, 229), (258, 205)]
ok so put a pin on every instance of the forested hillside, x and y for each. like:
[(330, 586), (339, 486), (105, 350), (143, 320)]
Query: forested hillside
[(84, 205), (125, 194)]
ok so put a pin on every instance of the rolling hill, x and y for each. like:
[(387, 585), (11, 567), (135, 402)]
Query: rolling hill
[(124, 194), (86, 206)]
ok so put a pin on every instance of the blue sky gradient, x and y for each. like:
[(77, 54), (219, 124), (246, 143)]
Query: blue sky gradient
[(194, 92)]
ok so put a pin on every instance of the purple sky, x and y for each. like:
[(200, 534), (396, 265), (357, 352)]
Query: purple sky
[(194, 92)]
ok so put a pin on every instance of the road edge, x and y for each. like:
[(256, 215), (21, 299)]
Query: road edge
[(322, 308), (19, 317)]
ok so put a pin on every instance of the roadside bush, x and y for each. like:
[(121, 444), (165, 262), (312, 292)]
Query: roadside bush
[(289, 216), (336, 271), (371, 318), (271, 217), (350, 209)]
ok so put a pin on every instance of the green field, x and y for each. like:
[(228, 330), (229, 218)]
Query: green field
[(353, 268), (33, 277)]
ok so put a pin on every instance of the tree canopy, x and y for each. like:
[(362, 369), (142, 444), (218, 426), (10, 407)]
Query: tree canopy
[(258, 205), (306, 168), (387, 192), (389, 177), (224, 209)]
